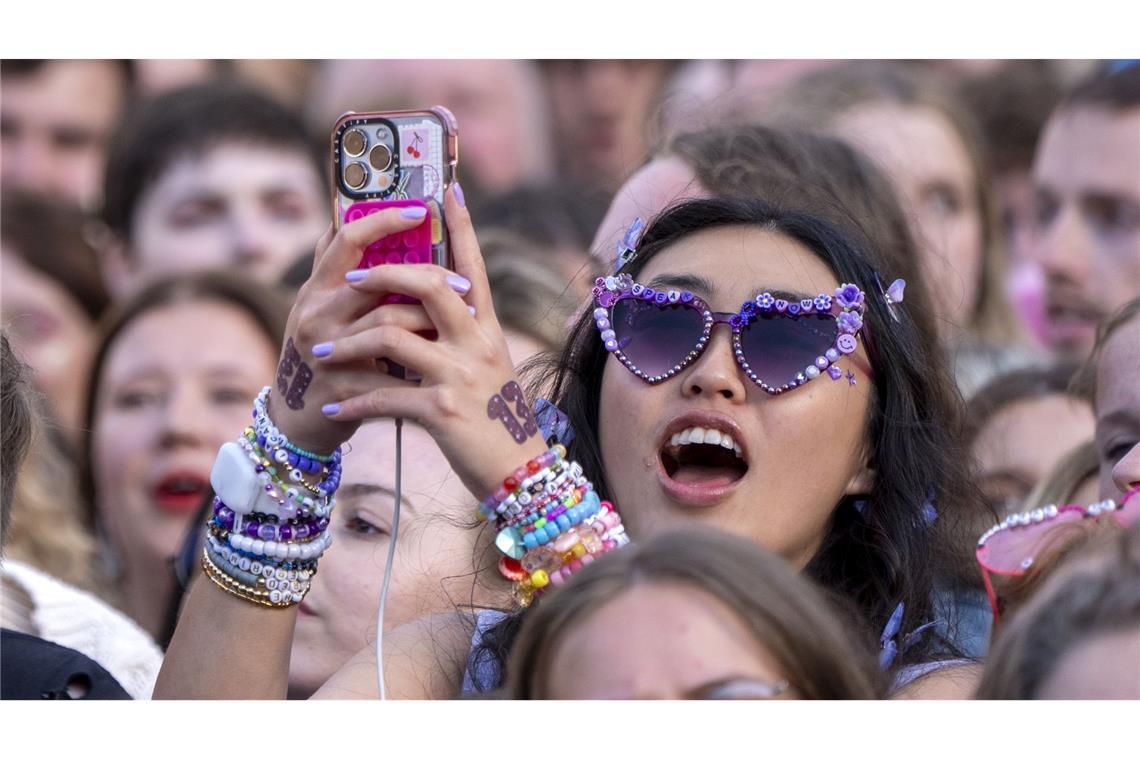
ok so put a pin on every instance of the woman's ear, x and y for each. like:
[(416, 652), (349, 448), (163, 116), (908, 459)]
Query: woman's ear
[(863, 479)]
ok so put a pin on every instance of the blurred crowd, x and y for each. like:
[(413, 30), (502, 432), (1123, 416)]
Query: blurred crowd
[(158, 218)]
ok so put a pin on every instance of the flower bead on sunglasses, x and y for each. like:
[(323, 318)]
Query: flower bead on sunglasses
[(780, 343)]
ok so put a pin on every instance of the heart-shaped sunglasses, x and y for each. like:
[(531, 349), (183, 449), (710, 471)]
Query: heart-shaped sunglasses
[(1011, 547), (779, 343)]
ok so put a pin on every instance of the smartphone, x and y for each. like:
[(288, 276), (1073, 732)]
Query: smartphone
[(396, 158), (384, 157)]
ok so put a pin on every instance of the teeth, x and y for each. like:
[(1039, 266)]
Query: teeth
[(706, 436)]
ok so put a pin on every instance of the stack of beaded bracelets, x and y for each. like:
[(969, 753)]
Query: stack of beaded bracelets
[(264, 546), (550, 523)]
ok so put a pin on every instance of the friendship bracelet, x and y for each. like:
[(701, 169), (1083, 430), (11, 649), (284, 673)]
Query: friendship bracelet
[(550, 524), (266, 532)]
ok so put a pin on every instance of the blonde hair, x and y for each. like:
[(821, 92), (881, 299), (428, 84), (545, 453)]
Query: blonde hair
[(48, 529), (42, 522), (529, 295), (1066, 477)]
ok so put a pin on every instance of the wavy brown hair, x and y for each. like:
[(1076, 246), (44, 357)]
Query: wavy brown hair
[(787, 615)]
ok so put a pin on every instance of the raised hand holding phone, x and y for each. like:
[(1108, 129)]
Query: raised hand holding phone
[(469, 398)]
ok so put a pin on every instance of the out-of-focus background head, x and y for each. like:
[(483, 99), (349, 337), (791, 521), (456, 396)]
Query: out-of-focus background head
[(57, 118), (503, 121), (1086, 178), (214, 175), (51, 294)]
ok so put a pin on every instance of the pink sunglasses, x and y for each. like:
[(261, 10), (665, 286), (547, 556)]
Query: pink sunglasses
[(1011, 547)]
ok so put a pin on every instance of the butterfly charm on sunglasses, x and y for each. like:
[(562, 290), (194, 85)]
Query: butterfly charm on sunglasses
[(780, 343)]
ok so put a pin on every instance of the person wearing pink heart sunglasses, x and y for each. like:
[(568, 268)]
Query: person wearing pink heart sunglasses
[(1025, 547)]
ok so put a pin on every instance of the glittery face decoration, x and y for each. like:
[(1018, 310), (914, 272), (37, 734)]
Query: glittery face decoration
[(778, 342)]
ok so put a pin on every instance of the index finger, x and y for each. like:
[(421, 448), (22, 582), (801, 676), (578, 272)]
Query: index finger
[(347, 246), (466, 256)]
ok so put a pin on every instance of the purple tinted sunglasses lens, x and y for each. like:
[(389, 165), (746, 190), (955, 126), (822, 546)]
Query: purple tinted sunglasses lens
[(778, 348), (656, 338)]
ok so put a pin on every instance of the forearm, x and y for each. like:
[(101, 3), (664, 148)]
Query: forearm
[(226, 648)]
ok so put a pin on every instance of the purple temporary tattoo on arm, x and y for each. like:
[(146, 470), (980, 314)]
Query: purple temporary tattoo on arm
[(295, 398), (512, 392), (497, 409), (289, 363)]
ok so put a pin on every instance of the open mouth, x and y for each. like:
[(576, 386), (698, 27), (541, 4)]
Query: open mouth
[(180, 493), (703, 457), (1068, 314)]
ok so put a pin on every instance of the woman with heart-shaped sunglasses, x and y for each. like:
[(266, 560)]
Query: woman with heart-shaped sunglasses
[(817, 422)]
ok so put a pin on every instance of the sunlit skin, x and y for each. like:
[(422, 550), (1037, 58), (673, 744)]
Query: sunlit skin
[(237, 206), (1118, 412), (1087, 180), (662, 641), (1022, 443), (55, 123), (175, 386), (930, 170), (805, 449), (51, 332)]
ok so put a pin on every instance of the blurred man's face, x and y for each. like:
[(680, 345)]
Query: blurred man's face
[(602, 111), (54, 125), (252, 208), (1087, 187)]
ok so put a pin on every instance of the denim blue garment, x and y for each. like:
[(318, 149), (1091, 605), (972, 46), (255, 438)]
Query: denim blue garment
[(971, 615)]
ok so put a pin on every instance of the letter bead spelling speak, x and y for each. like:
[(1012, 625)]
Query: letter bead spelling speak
[(780, 340)]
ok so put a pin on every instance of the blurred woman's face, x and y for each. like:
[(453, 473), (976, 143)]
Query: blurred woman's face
[(930, 170), (176, 384), (49, 331), (434, 551), (1118, 411), (801, 452), (1022, 443), (663, 641)]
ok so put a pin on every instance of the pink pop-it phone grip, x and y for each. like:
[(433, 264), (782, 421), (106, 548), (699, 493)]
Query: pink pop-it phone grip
[(409, 247)]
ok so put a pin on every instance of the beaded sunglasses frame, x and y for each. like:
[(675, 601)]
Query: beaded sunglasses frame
[(847, 305), (1037, 524)]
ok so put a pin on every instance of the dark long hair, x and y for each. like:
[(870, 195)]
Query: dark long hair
[(888, 551)]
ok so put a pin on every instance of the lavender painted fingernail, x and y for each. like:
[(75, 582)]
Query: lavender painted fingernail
[(356, 275), (330, 409), (459, 195), (471, 310), (321, 350), (459, 283), (413, 212)]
